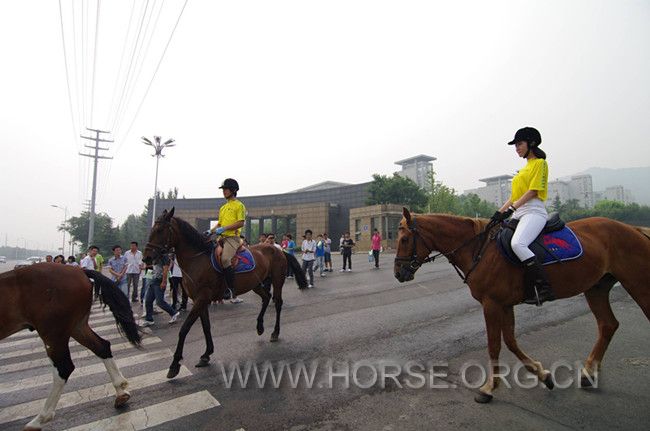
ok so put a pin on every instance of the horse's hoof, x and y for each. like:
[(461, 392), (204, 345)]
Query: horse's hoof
[(120, 400), (274, 337), (483, 398), (260, 331), (174, 369), (585, 382), (203, 362), (548, 382)]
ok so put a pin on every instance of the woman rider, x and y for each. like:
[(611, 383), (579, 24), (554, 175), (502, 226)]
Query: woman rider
[(526, 204)]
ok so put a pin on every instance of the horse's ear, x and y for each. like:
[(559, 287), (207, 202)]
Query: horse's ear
[(171, 213), (407, 215)]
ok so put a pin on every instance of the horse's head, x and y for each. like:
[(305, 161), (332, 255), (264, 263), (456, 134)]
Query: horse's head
[(161, 239), (411, 249)]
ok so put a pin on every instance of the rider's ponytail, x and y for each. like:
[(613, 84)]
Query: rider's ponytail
[(540, 154)]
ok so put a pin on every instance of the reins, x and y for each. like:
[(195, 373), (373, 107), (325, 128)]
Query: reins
[(415, 263)]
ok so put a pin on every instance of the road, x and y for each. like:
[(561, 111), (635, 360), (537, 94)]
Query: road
[(368, 322)]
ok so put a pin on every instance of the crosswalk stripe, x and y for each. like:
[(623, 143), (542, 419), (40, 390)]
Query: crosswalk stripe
[(32, 408), (25, 365), (45, 379), (154, 415), (26, 334), (38, 345), (34, 340)]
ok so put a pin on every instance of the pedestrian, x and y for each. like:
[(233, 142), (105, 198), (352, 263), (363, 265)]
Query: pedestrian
[(328, 252), (261, 239), (133, 269), (117, 267), (177, 284), (59, 258), (291, 245), (376, 246), (72, 261), (232, 216), (156, 291), (308, 256), (341, 243), (346, 251), (284, 242), (90, 262), (320, 255), (100, 261), (146, 279), (48, 258), (270, 239)]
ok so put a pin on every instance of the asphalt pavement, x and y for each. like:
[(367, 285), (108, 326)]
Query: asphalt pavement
[(427, 336)]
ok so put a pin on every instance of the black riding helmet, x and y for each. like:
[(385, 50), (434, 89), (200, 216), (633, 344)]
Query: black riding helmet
[(230, 184), (534, 139)]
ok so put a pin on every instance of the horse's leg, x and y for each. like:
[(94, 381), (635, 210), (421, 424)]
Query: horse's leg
[(531, 365), (102, 348), (59, 353), (209, 345), (494, 315), (598, 300), (266, 298), (278, 283), (197, 309)]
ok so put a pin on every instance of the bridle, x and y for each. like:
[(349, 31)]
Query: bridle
[(162, 249), (414, 262)]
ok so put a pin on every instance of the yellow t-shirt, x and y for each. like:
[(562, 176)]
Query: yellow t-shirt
[(231, 212), (534, 176)]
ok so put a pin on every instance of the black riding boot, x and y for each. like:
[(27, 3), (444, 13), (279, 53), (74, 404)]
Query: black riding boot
[(229, 276), (535, 278)]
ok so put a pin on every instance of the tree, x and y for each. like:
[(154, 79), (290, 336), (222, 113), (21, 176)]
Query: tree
[(106, 236), (471, 205), (134, 228), (557, 203), (396, 190), (441, 198)]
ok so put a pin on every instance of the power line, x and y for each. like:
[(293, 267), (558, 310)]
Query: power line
[(154, 73), (67, 74), (92, 97)]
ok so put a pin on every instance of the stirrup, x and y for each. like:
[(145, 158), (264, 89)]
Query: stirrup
[(537, 301)]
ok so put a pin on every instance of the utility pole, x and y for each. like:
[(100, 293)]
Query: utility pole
[(158, 148), (65, 219), (96, 156)]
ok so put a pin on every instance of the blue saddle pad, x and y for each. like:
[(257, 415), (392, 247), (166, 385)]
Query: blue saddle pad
[(549, 248), (245, 262)]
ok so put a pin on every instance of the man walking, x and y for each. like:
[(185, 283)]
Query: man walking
[(89, 262), (308, 256), (133, 269), (346, 251), (328, 252), (156, 291), (117, 268)]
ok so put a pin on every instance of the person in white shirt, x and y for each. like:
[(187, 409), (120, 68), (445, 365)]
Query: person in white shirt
[(270, 239), (177, 284), (134, 266), (308, 256), (89, 262)]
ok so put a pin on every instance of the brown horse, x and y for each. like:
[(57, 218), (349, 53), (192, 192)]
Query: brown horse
[(204, 285), (613, 252), (55, 301)]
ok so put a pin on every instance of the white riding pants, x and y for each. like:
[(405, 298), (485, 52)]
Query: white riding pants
[(532, 218)]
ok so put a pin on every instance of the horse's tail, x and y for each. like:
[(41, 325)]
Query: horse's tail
[(118, 304), (301, 279)]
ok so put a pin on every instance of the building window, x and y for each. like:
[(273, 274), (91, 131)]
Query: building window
[(357, 230)]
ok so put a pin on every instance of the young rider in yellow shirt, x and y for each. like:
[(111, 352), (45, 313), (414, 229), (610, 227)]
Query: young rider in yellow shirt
[(526, 204), (232, 216)]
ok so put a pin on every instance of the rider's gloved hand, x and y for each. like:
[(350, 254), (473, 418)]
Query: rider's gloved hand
[(499, 216), (207, 232), (219, 230)]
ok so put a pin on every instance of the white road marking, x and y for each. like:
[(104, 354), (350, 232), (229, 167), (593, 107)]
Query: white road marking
[(154, 415), (37, 341), (26, 333), (32, 408), (25, 365), (46, 379)]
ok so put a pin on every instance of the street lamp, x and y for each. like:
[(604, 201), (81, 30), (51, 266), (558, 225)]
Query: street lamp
[(158, 148), (65, 219)]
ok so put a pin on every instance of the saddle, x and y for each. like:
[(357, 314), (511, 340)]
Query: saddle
[(242, 261), (556, 242)]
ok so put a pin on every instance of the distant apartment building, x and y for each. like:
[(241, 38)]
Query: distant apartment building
[(578, 187), (496, 190), (417, 168), (616, 193)]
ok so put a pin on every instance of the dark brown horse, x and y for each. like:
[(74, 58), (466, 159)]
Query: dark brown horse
[(55, 301), (204, 285), (613, 252)]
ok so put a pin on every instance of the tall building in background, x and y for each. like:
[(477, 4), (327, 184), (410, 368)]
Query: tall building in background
[(417, 168), (497, 189)]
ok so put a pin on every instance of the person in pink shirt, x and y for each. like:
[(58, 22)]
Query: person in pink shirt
[(376, 246)]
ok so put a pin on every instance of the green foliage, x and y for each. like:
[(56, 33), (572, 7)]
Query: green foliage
[(628, 213), (471, 205), (440, 198), (105, 234), (396, 190)]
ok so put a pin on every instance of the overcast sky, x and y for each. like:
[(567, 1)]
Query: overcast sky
[(284, 94)]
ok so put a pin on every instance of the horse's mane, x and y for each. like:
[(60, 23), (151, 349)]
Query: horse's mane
[(478, 224), (193, 237)]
